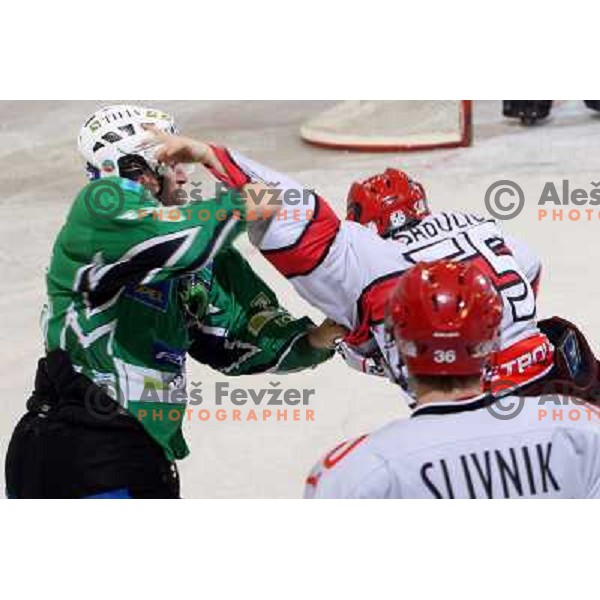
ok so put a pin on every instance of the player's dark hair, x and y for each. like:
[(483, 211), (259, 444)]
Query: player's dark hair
[(132, 166), (445, 383)]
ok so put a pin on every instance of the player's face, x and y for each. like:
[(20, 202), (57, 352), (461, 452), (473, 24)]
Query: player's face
[(173, 180)]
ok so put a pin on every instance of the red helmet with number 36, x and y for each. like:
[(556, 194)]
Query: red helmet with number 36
[(445, 318), (390, 201)]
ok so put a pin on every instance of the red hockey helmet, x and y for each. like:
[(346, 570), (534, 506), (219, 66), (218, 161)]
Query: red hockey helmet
[(390, 200), (445, 317)]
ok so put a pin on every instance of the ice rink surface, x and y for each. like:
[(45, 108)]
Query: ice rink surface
[(42, 173)]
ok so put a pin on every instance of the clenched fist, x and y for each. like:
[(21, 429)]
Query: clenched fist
[(175, 149), (326, 335)]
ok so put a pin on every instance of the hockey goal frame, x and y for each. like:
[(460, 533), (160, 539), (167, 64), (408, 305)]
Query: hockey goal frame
[(465, 139)]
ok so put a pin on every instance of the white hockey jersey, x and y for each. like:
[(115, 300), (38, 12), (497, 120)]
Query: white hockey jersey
[(348, 271), (461, 450)]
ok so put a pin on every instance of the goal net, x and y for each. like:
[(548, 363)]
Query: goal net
[(387, 125)]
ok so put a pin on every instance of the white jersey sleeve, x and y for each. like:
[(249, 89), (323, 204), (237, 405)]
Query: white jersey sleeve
[(329, 262), (582, 445), (348, 272), (346, 472), (372, 364)]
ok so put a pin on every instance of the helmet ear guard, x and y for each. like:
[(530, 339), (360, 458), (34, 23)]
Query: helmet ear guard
[(353, 212), (91, 172), (130, 166)]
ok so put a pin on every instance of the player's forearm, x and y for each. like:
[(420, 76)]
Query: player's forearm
[(270, 189), (237, 170), (302, 354), (304, 241)]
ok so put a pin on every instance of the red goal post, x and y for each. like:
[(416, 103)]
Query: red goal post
[(391, 125)]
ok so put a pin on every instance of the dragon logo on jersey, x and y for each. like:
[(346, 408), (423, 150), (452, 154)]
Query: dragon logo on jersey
[(194, 293)]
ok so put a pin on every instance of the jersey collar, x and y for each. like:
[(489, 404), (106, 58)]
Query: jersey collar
[(455, 406)]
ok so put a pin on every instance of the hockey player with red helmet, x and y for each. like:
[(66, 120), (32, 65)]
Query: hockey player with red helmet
[(348, 268), (394, 204), (444, 318)]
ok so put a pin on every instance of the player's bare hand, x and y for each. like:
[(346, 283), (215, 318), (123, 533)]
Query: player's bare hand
[(326, 335), (176, 149)]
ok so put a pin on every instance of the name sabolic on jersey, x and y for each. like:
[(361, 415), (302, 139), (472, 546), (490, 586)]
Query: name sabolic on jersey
[(348, 271), (461, 450)]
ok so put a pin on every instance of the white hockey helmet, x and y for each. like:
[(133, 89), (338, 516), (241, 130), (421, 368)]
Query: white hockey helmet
[(117, 131)]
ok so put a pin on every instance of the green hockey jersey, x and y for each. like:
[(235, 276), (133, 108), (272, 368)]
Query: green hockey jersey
[(237, 325), (114, 297)]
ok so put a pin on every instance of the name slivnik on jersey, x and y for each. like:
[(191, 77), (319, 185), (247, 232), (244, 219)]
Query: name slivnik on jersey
[(518, 471), (461, 450), (114, 299)]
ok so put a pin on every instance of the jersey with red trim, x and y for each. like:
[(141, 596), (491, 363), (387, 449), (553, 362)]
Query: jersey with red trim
[(464, 450), (528, 261), (348, 271)]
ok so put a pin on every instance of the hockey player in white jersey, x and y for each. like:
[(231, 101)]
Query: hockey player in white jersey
[(395, 206), (348, 268), (444, 318)]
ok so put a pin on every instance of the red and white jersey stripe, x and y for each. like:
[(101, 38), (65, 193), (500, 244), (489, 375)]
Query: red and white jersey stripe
[(348, 271)]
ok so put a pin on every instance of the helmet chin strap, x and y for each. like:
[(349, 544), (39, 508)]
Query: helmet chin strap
[(161, 187), (92, 173), (159, 172)]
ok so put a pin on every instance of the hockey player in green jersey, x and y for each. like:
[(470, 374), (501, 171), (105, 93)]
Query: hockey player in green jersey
[(115, 324)]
